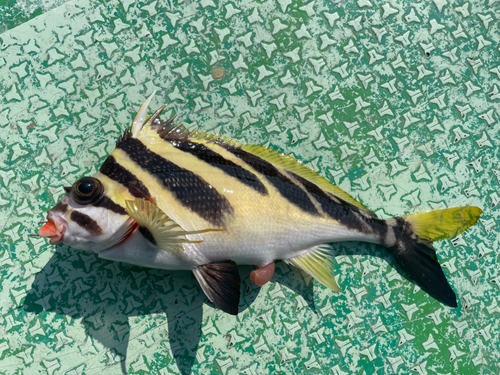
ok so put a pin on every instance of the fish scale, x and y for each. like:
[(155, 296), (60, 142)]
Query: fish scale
[(209, 156), (190, 189)]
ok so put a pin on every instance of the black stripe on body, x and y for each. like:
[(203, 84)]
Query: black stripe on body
[(345, 213), (192, 191), (107, 203), (86, 222), (209, 156), (116, 172), (291, 192)]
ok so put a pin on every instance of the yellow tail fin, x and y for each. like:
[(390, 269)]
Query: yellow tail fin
[(443, 224), (416, 254)]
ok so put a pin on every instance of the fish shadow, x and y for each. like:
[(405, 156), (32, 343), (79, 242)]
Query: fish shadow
[(303, 284), (105, 295)]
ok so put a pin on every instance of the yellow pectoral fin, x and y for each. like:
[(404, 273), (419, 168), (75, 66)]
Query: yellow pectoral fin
[(158, 228)]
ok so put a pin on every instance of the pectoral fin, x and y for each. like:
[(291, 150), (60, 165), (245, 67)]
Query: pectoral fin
[(158, 228), (221, 284)]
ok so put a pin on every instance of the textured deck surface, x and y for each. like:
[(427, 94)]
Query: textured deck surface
[(397, 102)]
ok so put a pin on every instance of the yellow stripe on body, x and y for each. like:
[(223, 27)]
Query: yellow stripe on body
[(114, 190), (253, 212), (286, 162), (289, 163), (310, 196)]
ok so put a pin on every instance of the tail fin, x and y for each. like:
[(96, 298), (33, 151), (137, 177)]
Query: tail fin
[(413, 246)]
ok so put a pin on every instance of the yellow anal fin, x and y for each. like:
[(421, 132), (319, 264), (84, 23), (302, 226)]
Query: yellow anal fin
[(443, 224), (158, 228), (317, 263)]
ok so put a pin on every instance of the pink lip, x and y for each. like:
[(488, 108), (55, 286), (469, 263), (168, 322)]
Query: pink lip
[(54, 230)]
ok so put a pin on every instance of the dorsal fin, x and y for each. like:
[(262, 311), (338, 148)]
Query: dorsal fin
[(168, 131), (140, 120), (291, 164), (140, 117), (143, 122), (281, 160)]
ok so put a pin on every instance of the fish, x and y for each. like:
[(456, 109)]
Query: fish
[(176, 199)]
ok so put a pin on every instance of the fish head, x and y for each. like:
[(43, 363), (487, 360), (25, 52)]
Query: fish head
[(86, 219)]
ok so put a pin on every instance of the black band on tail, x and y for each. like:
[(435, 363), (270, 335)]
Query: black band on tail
[(419, 260), (421, 264)]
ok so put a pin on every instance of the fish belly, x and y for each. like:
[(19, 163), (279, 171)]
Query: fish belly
[(258, 244), (265, 243)]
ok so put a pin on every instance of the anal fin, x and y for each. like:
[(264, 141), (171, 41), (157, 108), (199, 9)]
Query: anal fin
[(158, 228), (318, 264), (221, 284)]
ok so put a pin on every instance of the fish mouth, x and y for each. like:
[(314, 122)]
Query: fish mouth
[(53, 229)]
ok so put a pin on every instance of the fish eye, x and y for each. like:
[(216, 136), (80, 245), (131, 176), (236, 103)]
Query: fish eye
[(87, 190)]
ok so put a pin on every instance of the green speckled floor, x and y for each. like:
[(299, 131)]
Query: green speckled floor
[(395, 101)]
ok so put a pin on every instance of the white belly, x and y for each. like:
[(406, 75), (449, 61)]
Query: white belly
[(258, 245)]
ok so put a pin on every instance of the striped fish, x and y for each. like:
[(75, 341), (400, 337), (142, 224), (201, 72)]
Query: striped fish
[(172, 199)]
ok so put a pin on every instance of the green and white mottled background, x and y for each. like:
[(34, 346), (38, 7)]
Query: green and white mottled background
[(395, 101)]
